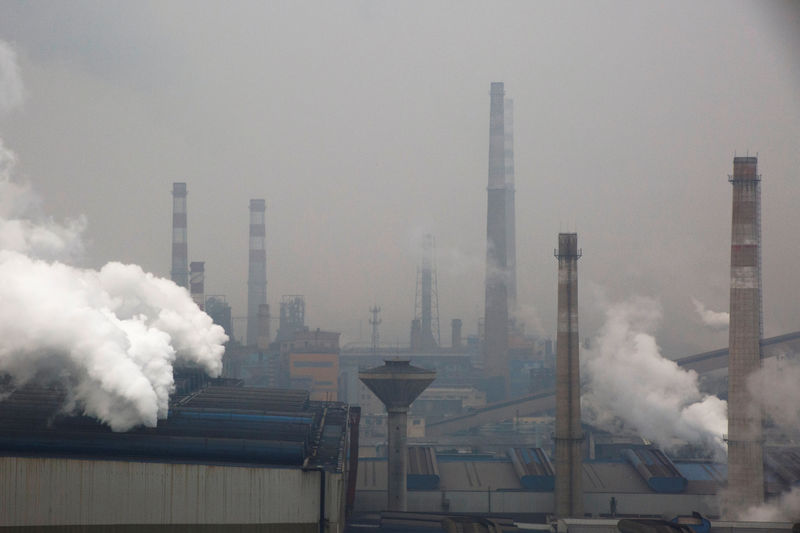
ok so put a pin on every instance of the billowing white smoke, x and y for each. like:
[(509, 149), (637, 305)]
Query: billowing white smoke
[(712, 319), (774, 388), (110, 336), (630, 385), (784, 508), (11, 91)]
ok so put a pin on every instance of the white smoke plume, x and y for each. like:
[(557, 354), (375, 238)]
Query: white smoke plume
[(784, 508), (11, 88), (630, 385), (774, 388), (712, 319), (110, 336)]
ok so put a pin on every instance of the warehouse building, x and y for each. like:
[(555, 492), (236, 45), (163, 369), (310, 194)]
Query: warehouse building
[(228, 458)]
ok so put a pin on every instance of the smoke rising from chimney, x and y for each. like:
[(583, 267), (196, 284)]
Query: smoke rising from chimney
[(11, 88), (712, 319), (109, 336), (631, 386)]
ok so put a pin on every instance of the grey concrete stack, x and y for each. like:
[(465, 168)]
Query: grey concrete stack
[(180, 246), (568, 436), (496, 308), (197, 285), (511, 225), (397, 384), (745, 448), (257, 271), (428, 341)]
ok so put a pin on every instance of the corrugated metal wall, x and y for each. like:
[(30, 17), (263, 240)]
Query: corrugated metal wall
[(53, 491)]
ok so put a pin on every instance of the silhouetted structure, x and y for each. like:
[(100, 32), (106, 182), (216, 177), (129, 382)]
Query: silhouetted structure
[(568, 436), (496, 303), (745, 447), (180, 247), (257, 271)]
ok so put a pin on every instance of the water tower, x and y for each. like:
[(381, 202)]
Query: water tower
[(397, 383)]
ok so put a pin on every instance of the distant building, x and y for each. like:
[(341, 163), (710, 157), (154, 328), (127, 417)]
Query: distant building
[(313, 363)]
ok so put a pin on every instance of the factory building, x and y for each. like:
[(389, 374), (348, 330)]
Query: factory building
[(313, 361), (623, 480), (226, 458)]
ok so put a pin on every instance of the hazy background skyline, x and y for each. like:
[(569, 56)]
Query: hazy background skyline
[(364, 125)]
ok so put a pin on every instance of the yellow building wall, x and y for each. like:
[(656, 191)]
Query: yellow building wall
[(322, 369)]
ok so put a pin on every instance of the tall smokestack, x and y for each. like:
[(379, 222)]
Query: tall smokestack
[(745, 448), (257, 272), (197, 285), (180, 246), (569, 437), (456, 331), (263, 327), (511, 225), (427, 304), (496, 308)]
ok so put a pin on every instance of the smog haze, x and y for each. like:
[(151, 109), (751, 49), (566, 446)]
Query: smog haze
[(364, 126)]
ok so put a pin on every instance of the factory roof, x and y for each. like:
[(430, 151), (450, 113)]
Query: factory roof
[(644, 471), (214, 424)]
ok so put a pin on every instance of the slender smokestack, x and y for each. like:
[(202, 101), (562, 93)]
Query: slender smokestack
[(569, 437), (496, 307), (257, 273), (180, 247), (745, 448), (511, 225), (197, 286), (263, 327), (428, 305), (456, 327)]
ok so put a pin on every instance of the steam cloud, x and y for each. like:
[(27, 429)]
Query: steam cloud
[(110, 336), (712, 319), (774, 389), (630, 385), (784, 508)]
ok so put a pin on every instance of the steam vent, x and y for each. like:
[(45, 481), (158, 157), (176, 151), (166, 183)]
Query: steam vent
[(397, 383)]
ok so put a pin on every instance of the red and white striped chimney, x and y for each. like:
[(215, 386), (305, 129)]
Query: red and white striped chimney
[(745, 447), (180, 246)]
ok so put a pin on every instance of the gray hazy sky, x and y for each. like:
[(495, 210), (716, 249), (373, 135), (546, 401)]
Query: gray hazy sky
[(364, 125)]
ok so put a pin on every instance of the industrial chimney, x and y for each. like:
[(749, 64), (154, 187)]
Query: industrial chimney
[(257, 272), (198, 281), (427, 299), (496, 303), (180, 248), (568, 437), (745, 448), (397, 383), (263, 327), (456, 334), (511, 225)]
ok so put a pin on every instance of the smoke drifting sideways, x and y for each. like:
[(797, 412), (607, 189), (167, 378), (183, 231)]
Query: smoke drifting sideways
[(784, 508), (630, 387), (773, 389), (713, 319), (110, 337)]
